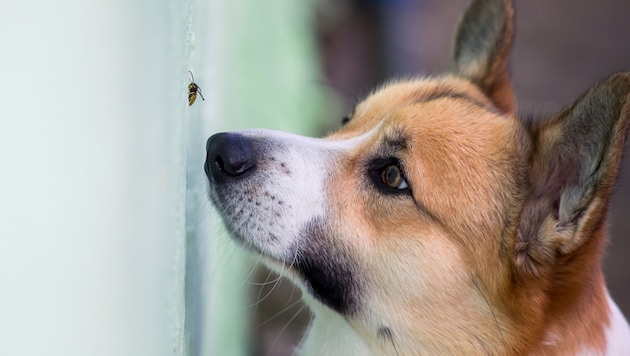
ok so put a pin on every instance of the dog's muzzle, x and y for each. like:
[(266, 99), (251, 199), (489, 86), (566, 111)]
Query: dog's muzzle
[(229, 156), (269, 189)]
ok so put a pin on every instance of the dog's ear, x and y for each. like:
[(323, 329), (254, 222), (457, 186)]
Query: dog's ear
[(481, 52), (574, 165)]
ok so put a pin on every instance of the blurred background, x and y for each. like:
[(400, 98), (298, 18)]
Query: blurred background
[(108, 245)]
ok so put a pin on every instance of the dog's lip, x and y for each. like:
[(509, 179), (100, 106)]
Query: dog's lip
[(284, 263), (280, 264)]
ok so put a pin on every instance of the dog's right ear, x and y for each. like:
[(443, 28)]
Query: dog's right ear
[(574, 163), (481, 52)]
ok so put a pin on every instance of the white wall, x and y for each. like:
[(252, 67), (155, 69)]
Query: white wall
[(93, 141)]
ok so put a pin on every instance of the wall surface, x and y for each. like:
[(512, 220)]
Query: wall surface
[(108, 245), (93, 139)]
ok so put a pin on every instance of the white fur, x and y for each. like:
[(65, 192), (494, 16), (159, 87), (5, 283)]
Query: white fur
[(618, 333)]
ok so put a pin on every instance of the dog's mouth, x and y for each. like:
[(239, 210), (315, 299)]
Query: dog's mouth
[(248, 224), (327, 273), (310, 259)]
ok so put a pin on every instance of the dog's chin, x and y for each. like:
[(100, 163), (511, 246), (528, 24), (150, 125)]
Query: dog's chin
[(282, 265), (284, 268), (310, 259), (260, 246)]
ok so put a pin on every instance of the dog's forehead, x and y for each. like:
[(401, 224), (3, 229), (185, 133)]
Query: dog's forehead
[(395, 96), (437, 108)]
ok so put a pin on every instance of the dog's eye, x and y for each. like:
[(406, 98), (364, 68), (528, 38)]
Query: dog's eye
[(392, 177), (388, 176), (345, 120)]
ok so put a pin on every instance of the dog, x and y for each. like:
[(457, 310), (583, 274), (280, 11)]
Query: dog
[(436, 221)]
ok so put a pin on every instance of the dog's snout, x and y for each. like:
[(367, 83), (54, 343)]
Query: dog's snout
[(228, 155)]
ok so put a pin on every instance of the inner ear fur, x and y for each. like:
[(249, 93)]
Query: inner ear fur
[(481, 50), (574, 164)]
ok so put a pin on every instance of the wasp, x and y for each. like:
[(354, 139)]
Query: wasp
[(193, 89)]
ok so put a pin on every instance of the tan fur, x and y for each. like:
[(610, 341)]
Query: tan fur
[(460, 148), (468, 174), (470, 162)]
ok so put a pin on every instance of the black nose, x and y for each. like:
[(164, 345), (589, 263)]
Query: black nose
[(228, 155)]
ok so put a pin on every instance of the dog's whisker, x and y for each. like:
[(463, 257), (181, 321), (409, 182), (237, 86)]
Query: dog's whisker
[(282, 311), (275, 282), (258, 301), (386, 333), (227, 251), (255, 265), (266, 283), (496, 321), (224, 242), (291, 265), (286, 325)]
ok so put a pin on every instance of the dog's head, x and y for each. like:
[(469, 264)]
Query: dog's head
[(435, 217)]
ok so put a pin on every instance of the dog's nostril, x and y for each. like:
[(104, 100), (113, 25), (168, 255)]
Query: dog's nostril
[(219, 163), (234, 165), (229, 155)]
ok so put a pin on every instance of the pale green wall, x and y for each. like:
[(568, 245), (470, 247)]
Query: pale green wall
[(257, 64), (93, 153)]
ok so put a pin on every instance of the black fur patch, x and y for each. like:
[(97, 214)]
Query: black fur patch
[(328, 269)]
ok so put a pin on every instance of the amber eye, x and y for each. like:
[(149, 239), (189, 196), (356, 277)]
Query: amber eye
[(392, 177)]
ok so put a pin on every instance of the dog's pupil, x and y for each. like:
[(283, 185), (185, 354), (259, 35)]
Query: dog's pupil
[(391, 176)]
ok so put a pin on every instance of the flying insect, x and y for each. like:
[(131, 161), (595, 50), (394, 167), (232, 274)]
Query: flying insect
[(193, 89)]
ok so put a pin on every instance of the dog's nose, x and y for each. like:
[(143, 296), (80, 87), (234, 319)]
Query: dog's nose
[(228, 155)]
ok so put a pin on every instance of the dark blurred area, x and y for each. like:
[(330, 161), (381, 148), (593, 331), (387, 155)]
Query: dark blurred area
[(562, 48)]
